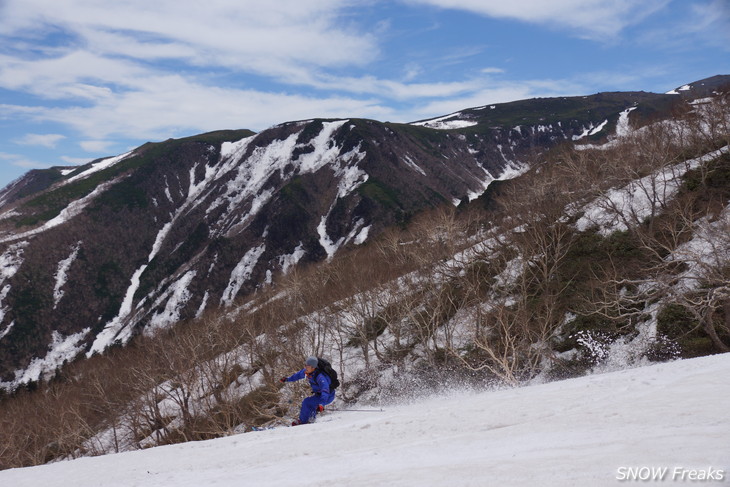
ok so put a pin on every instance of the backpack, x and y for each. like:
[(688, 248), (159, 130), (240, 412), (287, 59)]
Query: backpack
[(325, 367)]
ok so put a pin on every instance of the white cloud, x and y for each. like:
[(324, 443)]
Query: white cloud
[(22, 161), (596, 19), (44, 140), (75, 161), (96, 145), (412, 71), (172, 105), (387, 88), (17, 111), (246, 35), (154, 105), (712, 22), (146, 69), (705, 23), (149, 70), (75, 74)]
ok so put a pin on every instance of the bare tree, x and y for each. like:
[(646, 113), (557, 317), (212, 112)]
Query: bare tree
[(684, 239)]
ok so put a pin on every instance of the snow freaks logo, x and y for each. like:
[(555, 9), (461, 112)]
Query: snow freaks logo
[(676, 474)]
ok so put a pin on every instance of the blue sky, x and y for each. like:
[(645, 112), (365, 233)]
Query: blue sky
[(82, 79)]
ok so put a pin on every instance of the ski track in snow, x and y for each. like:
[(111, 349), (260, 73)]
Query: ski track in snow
[(574, 432)]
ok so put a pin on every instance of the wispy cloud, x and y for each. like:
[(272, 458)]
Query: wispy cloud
[(44, 140), (173, 105), (593, 19), (154, 69), (22, 161), (243, 35), (96, 145), (703, 23)]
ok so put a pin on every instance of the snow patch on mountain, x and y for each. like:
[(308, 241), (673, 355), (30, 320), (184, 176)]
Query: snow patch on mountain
[(358, 234), (325, 241), (72, 210), (590, 130), (99, 166), (411, 163), (252, 171), (706, 251), (241, 274), (620, 207), (117, 328), (10, 262), (598, 128), (61, 349), (62, 274), (511, 170), (8, 328), (203, 305), (623, 127), (8, 214), (677, 90), (325, 150), (448, 122), (472, 195), (257, 167), (177, 296), (288, 261), (362, 235), (159, 239), (120, 328), (233, 151), (350, 175)]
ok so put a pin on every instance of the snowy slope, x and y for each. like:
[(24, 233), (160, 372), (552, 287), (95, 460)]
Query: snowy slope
[(593, 430)]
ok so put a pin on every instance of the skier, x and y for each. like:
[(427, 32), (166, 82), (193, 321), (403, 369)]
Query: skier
[(323, 392)]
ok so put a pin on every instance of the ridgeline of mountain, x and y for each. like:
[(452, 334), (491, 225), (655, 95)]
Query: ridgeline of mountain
[(92, 255)]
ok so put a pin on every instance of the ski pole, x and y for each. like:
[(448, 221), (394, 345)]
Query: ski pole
[(356, 410)]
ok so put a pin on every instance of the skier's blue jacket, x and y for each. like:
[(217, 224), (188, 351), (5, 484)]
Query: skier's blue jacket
[(320, 383)]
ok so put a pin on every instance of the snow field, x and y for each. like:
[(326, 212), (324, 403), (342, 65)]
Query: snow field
[(585, 431)]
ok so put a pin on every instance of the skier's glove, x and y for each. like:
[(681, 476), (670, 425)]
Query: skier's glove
[(320, 408), (282, 380)]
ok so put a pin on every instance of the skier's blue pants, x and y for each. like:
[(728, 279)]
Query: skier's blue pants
[(309, 406)]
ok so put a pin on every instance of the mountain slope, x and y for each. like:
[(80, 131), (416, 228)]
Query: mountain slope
[(595, 430), (91, 256)]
